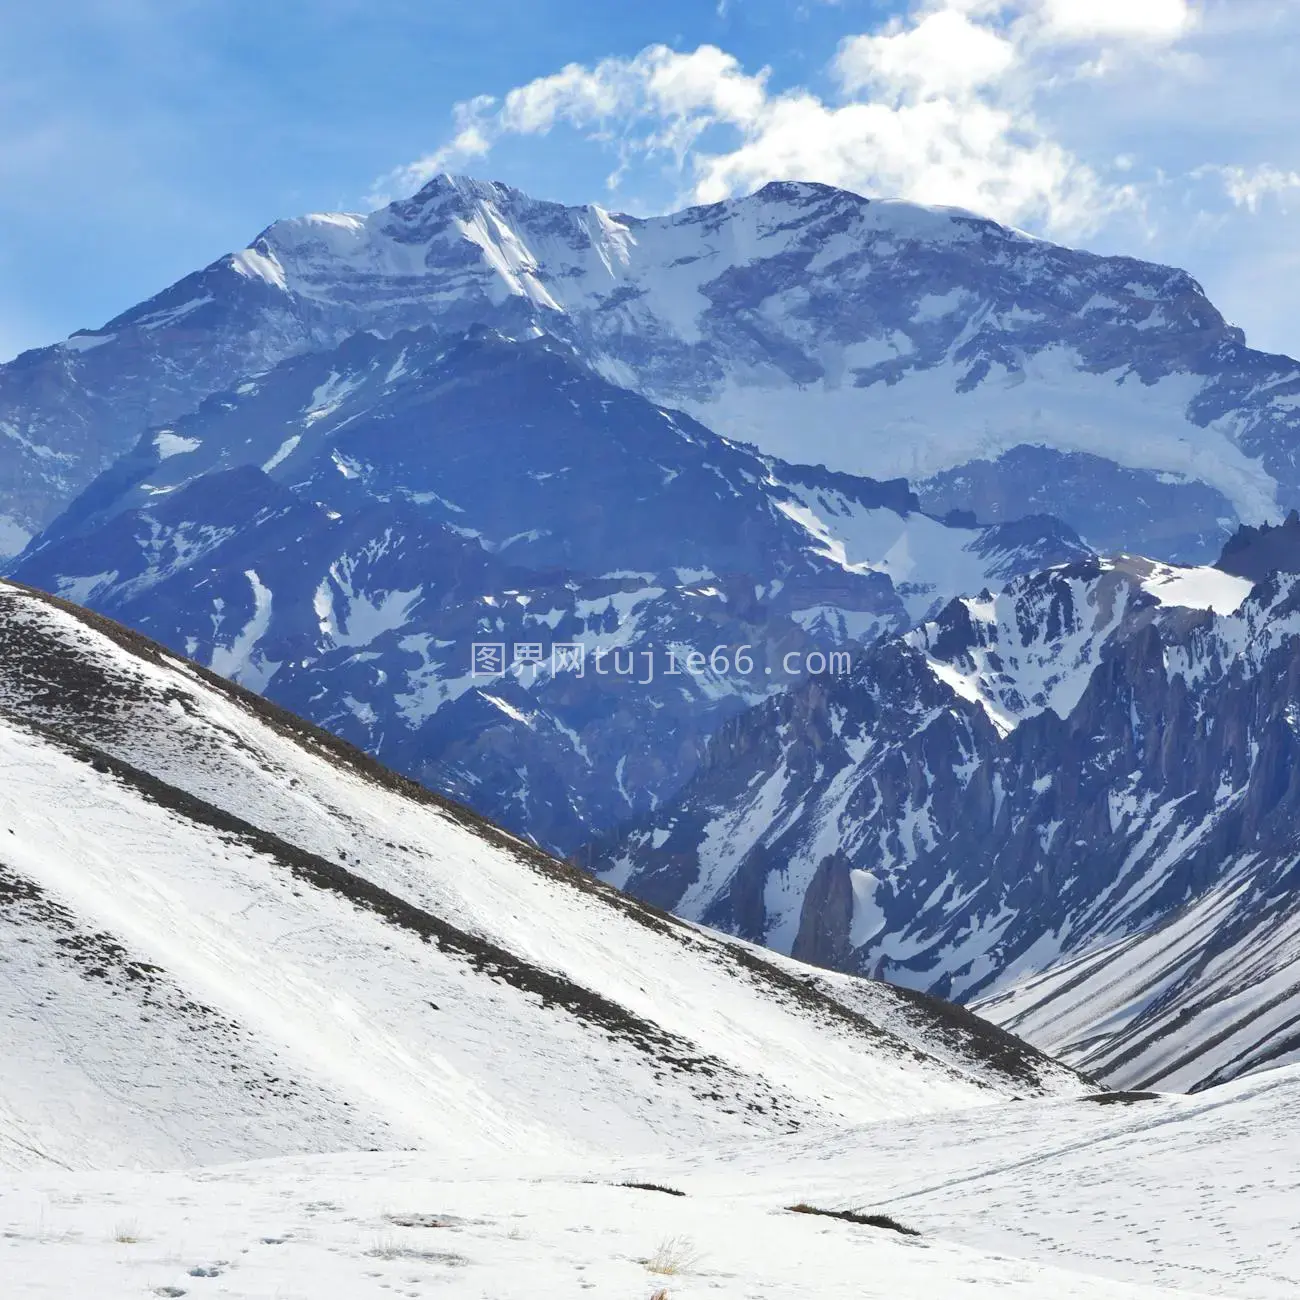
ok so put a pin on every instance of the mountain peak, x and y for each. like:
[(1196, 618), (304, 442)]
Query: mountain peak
[(447, 184), (455, 195), (803, 191), (905, 215)]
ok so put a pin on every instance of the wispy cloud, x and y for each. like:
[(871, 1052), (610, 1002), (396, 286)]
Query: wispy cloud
[(1249, 187)]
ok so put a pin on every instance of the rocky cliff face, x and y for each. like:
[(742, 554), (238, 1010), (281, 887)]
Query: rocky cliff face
[(1030, 775), (1257, 553), (1000, 373)]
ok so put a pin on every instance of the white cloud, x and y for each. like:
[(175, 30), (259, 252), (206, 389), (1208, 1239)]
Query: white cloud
[(1084, 120), (658, 100), (944, 54), (938, 150), (1142, 20), (938, 107)]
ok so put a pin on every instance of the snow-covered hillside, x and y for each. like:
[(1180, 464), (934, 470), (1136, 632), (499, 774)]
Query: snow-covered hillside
[(1002, 373), (1102, 754), (341, 532), (1144, 1198), (228, 936), (1195, 1193)]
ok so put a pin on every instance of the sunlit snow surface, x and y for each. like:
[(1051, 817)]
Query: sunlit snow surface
[(1199, 588), (1032, 1201)]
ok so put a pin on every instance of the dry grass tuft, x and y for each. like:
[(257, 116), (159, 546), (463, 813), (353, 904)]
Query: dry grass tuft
[(390, 1248), (653, 1187), (674, 1255)]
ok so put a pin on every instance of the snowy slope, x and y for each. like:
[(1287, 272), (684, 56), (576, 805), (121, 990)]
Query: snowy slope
[(229, 936), (1209, 994), (1184, 1192), (1005, 374), (379, 1225)]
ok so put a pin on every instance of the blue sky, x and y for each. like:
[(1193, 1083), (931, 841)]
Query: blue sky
[(142, 139)]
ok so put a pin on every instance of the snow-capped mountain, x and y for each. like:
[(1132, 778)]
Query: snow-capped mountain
[(1105, 753), (798, 426), (229, 935), (998, 372), (331, 464), (342, 531)]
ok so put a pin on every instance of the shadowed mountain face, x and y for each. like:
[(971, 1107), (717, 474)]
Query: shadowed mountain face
[(998, 372), (342, 531), (1258, 553), (1104, 753)]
